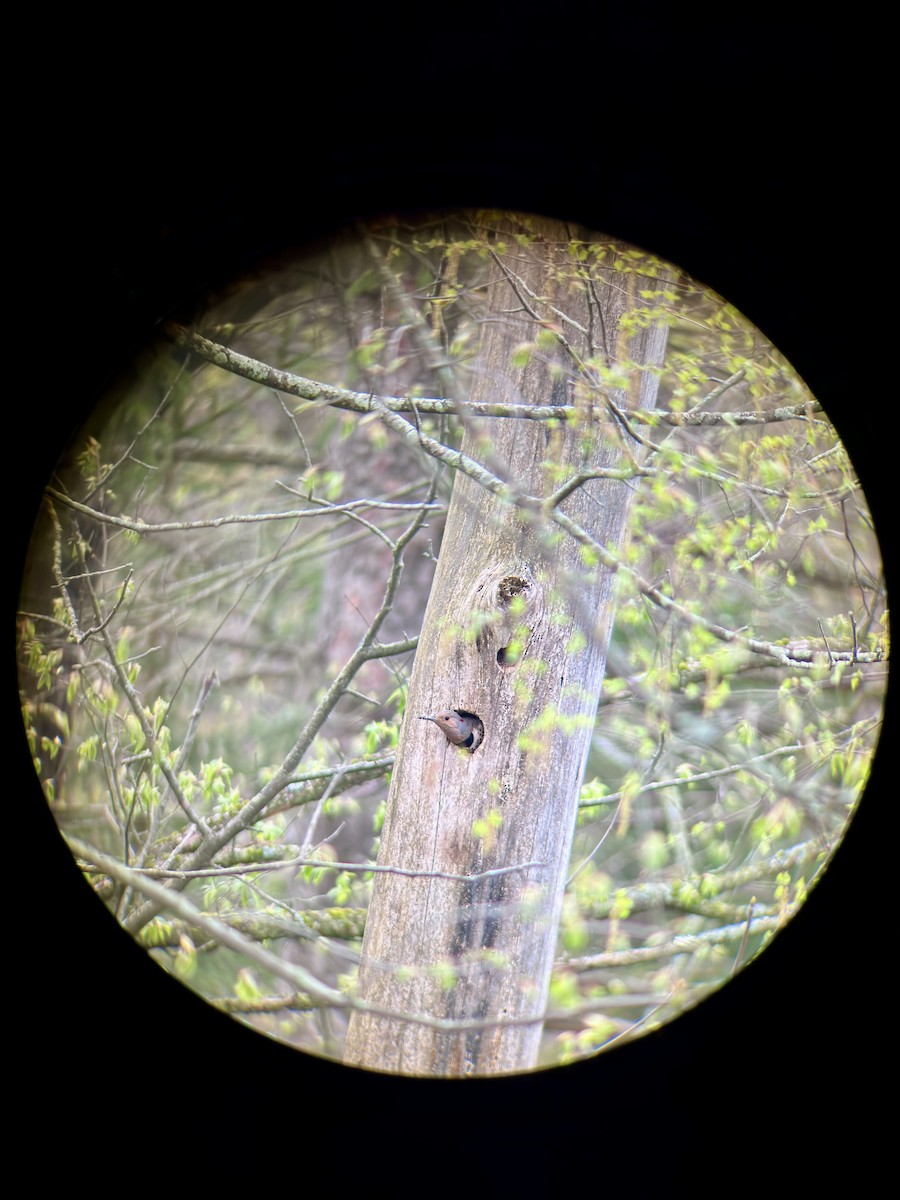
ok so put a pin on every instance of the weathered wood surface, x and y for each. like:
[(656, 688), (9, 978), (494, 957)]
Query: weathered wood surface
[(516, 631)]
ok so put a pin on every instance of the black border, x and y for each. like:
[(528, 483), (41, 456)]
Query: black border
[(741, 175)]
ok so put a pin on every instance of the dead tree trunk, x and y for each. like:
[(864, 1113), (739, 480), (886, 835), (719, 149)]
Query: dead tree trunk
[(515, 632)]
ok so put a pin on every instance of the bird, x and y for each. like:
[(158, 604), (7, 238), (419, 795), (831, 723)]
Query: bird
[(459, 727)]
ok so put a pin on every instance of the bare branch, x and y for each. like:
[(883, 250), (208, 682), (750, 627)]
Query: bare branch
[(391, 417), (365, 402), (330, 865), (683, 943), (160, 898), (794, 655), (680, 781), (684, 893), (249, 811), (136, 525)]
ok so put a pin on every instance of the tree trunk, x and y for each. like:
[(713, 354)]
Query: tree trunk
[(515, 632)]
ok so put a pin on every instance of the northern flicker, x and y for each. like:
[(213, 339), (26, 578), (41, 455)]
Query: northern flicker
[(459, 727)]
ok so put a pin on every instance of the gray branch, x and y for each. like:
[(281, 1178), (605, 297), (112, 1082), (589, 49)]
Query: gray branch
[(363, 402)]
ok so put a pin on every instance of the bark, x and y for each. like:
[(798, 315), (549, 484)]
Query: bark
[(516, 632)]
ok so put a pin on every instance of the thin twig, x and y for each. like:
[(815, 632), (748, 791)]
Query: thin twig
[(160, 897), (253, 807), (138, 709), (253, 868), (136, 525)]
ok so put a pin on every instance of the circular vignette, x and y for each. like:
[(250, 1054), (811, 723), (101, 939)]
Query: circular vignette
[(813, 653)]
